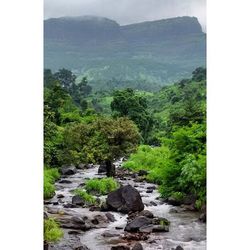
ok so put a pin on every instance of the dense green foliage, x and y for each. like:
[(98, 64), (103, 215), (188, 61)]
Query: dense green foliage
[(50, 176), (52, 231), (127, 103), (101, 186), (179, 164), (89, 199)]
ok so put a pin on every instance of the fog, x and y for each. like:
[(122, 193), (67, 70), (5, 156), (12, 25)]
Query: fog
[(127, 11)]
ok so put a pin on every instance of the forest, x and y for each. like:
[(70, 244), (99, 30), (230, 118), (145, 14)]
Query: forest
[(160, 134)]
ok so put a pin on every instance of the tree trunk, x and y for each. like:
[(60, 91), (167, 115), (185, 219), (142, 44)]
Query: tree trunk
[(110, 168)]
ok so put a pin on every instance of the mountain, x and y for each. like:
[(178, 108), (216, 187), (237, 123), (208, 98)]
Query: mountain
[(159, 51)]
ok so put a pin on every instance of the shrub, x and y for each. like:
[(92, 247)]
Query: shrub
[(101, 186), (52, 231), (86, 197), (50, 176)]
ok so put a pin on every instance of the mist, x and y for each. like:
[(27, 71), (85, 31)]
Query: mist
[(127, 11)]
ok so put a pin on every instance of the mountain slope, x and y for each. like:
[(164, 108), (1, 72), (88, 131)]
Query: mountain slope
[(160, 51)]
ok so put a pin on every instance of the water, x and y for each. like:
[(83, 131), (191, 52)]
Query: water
[(185, 228)]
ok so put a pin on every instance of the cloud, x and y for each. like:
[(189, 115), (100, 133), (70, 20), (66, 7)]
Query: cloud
[(127, 11)]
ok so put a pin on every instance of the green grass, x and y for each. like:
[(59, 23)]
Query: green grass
[(50, 176), (101, 186), (52, 231), (86, 197)]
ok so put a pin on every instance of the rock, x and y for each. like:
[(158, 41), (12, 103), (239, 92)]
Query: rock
[(203, 217), (137, 246), (77, 200), (149, 191), (120, 247), (147, 213), (59, 196), (142, 172), (68, 170), (69, 205), (125, 199), (160, 228), (110, 217), (179, 248), (78, 220), (146, 229), (160, 221), (109, 234), (95, 208), (135, 236), (137, 223), (118, 228), (151, 187), (174, 202), (81, 166), (102, 169), (74, 232), (153, 203), (65, 181), (99, 219), (173, 211)]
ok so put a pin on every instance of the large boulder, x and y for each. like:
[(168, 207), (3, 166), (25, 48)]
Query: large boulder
[(77, 200), (125, 199), (102, 169), (137, 223), (68, 170)]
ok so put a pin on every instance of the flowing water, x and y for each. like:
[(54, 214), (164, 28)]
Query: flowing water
[(185, 229)]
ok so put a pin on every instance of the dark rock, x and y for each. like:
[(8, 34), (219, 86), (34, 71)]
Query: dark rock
[(55, 203), (136, 236), (99, 219), (147, 213), (69, 205), (179, 248), (77, 200), (203, 217), (109, 234), (188, 207), (160, 228), (189, 200), (74, 232), (160, 221), (120, 247), (146, 229), (81, 184), (174, 202), (142, 172), (65, 181), (102, 169), (60, 196), (78, 220), (138, 222), (118, 228), (95, 208), (153, 203), (149, 191), (151, 187), (110, 217), (173, 211), (137, 246), (68, 170), (125, 199)]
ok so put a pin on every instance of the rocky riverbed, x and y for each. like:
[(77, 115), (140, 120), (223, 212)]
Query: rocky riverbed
[(89, 228)]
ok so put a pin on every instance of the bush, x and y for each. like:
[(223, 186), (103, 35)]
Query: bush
[(101, 186), (52, 231), (50, 176), (86, 197)]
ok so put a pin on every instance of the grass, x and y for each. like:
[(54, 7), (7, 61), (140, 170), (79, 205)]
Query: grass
[(50, 176), (52, 231), (86, 197), (101, 186)]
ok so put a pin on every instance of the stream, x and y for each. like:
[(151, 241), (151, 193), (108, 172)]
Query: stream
[(185, 229)]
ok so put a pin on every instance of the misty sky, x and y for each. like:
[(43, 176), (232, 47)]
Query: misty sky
[(127, 11)]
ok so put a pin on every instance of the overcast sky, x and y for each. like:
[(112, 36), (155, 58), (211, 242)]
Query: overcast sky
[(127, 11)]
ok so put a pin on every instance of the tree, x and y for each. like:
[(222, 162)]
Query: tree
[(66, 78), (102, 140), (126, 103)]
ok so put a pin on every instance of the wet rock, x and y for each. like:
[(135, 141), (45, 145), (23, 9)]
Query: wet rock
[(110, 217), (147, 214), (203, 217), (125, 199), (188, 207), (146, 229), (137, 223), (65, 181), (137, 246), (95, 208), (68, 170), (160, 228), (78, 219), (173, 211), (179, 248), (102, 169), (81, 166), (149, 191), (151, 187), (118, 228), (99, 219), (160, 221), (109, 234), (45, 215), (173, 201), (153, 203), (69, 205), (60, 196), (142, 172), (77, 200), (136, 236), (81, 184), (120, 247), (74, 232)]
